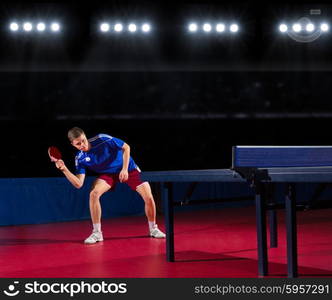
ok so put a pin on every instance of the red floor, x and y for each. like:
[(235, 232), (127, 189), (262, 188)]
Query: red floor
[(218, 244)]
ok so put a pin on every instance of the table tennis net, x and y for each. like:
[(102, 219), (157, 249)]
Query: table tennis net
[(282, 156)]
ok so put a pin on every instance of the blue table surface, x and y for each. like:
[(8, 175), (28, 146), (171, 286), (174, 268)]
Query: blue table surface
[(301, 174), (291, 174), (209, 175), (282, 156)]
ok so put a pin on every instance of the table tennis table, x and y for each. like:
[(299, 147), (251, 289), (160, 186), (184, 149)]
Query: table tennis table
[(259, 166)]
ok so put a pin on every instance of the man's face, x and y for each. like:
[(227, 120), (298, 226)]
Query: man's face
[(81, 143)]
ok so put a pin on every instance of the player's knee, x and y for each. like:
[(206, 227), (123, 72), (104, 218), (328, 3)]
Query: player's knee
[(148, 199), (95, 195)]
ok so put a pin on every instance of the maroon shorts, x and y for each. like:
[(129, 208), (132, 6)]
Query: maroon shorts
[(134, 179)]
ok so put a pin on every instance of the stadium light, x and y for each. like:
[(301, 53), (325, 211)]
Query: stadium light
[(132, 27), (220, 27), (310, 27), (297, 27), (41, 26), (27, 26), (55, 27), (104, 27), (283, 28), (146, 27), (192, 27), (118, 27), (324, 27), (13, 26), (234, 28), (207, 27), (304, 30)]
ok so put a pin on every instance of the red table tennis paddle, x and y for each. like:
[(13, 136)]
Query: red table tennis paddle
[(54, 153)]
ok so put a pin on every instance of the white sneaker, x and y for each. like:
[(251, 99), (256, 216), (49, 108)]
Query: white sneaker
[(95, 237), (157, 233)]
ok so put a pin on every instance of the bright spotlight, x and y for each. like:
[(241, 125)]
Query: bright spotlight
[(234, 28), (146, 27), (41, 26), (297, 27), (310, 27), (55, 27), (13, 26), (118, 27), (324, 27), (207, 27), (27, 26), (283, 28), (220, 27), (192, 27), (104, 27), (132, 27)]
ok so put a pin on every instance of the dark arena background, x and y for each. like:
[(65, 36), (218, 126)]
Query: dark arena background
[(198, 93), (181, 99)]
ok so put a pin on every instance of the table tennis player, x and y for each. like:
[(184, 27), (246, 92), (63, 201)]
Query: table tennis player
[(110, 158)]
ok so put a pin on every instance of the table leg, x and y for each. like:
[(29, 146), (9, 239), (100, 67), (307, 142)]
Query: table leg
[(273, 228), (167, 198), (272, 216), (261, 232), (290, 204)]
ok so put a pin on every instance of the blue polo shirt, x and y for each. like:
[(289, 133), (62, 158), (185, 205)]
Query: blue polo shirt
[(104, 157)]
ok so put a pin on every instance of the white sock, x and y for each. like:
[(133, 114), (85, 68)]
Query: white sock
[(97, 227), (152, 224)]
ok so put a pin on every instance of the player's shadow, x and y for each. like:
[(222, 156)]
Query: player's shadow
[(244, 265), (198, 256), (19, 242), (126, 237)]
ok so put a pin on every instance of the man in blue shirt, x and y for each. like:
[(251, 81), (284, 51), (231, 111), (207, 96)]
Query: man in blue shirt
[(110, 158)]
